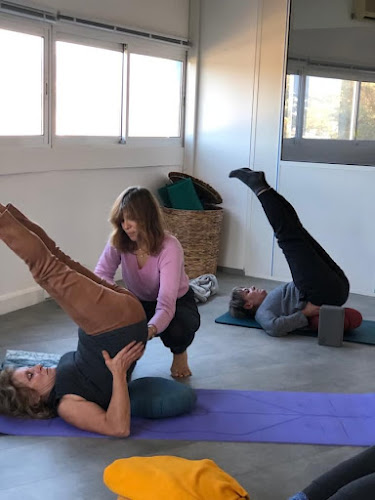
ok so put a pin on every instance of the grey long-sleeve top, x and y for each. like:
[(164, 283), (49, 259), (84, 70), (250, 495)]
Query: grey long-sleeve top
[(280, 312)]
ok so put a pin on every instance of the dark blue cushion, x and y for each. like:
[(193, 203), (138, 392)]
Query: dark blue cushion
[(156, 397)]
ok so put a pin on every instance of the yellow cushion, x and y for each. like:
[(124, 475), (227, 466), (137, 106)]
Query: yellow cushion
[(172, 478)]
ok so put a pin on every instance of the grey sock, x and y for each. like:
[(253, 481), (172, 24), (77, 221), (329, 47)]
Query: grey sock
[(254, 179)]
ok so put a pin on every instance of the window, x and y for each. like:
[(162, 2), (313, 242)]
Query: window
[(328, 109), (105, 90), (329, 120), (366, 112), (88, 90), (22, 84), (155, 86), (105, 84), (290, 110), (92, 83)]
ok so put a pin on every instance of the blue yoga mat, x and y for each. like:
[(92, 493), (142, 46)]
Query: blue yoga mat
[(244, 416), (364, 334)]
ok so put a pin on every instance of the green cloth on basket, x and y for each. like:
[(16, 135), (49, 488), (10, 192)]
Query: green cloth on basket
[(183, 195), (164, 197)]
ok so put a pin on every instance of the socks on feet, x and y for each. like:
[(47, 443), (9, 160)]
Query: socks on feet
[(254, 179), (299, 496)]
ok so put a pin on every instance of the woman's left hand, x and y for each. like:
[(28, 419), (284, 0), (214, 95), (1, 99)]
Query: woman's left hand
[(119, 364)]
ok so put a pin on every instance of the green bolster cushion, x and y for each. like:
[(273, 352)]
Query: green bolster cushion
[(156, 397)]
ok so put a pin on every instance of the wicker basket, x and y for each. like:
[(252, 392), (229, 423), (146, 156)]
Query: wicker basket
[(199, 234)]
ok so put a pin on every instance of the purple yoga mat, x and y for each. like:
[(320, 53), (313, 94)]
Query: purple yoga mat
[(245, 416)]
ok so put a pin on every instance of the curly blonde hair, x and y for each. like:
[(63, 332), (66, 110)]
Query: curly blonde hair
[(138, 204), (16, 401)]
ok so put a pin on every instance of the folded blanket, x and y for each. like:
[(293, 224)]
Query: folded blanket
[(204, 286), (171, 478), (18, 358)]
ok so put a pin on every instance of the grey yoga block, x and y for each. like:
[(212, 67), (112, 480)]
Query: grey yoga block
[(331, 325)]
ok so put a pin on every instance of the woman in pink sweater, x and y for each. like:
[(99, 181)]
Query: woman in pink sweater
[(152, 264)]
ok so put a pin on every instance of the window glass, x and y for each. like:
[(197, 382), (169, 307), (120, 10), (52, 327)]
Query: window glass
[(88, 90), (291, 101), (328, 108), (21, 84), (366, 112), (154, 96)]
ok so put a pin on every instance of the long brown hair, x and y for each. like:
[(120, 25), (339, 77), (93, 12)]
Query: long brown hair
[(138, 204), (16, 401)]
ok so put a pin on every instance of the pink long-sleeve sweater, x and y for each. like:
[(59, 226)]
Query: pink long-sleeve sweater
[(162, 278)]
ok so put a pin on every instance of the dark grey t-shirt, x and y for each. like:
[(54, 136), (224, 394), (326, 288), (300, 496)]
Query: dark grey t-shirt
[(280, 312), (84, 372)]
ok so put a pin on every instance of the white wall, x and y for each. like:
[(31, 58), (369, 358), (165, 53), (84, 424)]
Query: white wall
[(322, 14), (239, 123), (73, 208), (161, 16), (325, 31), (335, 204), (69, 189), (226, 80)]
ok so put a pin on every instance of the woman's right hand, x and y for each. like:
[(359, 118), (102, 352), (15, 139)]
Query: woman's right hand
[(119, 364)]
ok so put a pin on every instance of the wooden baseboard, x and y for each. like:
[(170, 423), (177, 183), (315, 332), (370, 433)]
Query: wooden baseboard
[(22, 298)]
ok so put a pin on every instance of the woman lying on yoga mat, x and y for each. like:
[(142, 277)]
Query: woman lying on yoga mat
[(89, 387), (152, 265), (317, 279)]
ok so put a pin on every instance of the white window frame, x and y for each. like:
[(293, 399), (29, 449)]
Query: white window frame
[(44, 30), (167, 52), (92, 38), (130, 45), (68, 32), (335, 151)]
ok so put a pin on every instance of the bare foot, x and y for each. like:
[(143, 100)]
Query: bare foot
[(180, 367)]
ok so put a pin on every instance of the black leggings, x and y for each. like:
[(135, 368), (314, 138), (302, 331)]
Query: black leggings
[(318, 278), (353, 479), (180, 332)]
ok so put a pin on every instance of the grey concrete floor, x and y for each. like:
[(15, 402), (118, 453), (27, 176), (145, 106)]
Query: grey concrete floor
[(222, 357)]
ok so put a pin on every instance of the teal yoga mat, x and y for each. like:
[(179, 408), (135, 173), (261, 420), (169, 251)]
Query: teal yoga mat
[(364, 334)]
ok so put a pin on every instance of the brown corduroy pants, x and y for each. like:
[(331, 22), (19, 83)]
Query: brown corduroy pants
[(93, 304)]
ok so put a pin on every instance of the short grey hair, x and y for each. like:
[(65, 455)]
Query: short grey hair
[(236, 305)]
